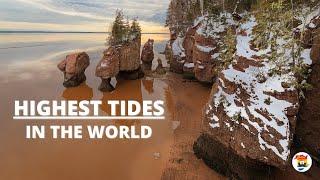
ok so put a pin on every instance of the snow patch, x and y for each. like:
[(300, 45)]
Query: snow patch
[(189, 65), (177, 47)]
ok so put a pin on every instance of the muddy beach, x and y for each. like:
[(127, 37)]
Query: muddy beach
[(34, 76)]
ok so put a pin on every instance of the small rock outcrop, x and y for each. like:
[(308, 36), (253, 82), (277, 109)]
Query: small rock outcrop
[(160, 69), (147, 55), (73, 68)]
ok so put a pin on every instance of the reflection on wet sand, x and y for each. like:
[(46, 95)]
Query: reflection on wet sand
[(126, 90), (184, 102), (82, 92), (148, 85)]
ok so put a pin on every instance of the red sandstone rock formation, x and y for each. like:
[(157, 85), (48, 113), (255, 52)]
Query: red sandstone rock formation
[(108, 67), (250, 118), (203, 51), (178, 55), (121, 60), (147, 54), (73, 68), (130, 55), (197, 52)]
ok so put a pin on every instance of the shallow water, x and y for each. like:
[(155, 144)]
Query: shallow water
[(28, 72)]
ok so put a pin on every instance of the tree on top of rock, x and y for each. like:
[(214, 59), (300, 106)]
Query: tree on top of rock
[(135, 29), (121, 30)]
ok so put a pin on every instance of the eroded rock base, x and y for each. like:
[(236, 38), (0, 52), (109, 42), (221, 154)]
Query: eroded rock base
[(146, 67), (131, 75), (75, 80), (106, 85), (176, 67), (225, 161)]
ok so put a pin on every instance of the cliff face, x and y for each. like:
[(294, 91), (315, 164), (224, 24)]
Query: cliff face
[(309, 123), (250, 118), (197, 52), (251, 115)]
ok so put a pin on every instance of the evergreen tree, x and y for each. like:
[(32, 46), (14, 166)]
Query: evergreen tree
[(118, 31), (275, 30), (135, 29), (121, 30)]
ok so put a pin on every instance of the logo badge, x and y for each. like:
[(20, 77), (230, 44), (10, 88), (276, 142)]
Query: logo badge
[(301, 162)]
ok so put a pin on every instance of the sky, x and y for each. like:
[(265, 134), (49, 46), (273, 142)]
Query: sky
[(79, 15)]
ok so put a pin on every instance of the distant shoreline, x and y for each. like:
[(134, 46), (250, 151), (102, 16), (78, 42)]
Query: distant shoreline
[(60, 32)]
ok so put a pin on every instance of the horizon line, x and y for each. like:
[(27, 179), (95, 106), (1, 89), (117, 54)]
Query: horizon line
[(97, 32), (88, 117)]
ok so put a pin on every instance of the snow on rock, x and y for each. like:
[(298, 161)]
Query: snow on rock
[(205, 49), (207, 41), (103, 65), (108, 66), (189, 65), (251, 106), (307, 20), (200, 43), (178, 57), (210, 27), (177, 47), (311, 25), (243, 146), (215, 55), (305, 54)]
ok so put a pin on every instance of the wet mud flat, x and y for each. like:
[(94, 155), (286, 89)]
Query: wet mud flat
[(187, 98)]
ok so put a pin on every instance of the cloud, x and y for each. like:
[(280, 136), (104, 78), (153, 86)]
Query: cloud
[(100, 9), (81, 13), (59, 10)]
